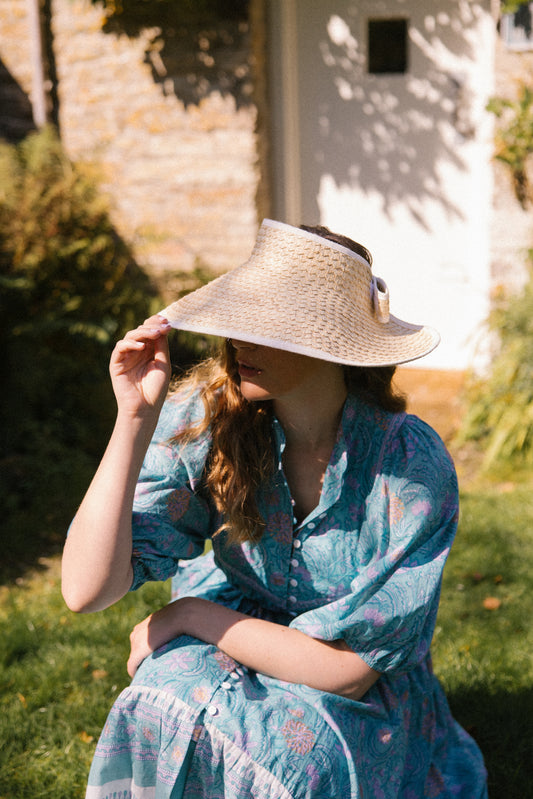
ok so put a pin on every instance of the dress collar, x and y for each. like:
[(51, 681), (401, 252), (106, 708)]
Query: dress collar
[(336, 468)]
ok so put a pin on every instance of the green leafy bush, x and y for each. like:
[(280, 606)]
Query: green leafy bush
[(68, 288), (514, 138), (500, 404)]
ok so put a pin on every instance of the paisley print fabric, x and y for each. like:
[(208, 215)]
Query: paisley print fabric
[(364, 566)]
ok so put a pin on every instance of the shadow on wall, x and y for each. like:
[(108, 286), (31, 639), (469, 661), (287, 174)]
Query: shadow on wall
[(16, 118), (16, 113), (198, 47), (388, 133)]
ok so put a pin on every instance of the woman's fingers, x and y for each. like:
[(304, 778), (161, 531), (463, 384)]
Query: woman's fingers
[(140, 366), (150, 330)]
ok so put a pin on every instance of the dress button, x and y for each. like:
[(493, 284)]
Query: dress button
[(311, 525), (234, 675), (226, 685), (212, 710), (293, 582), (294, 562), (292, 599), (297, 543)]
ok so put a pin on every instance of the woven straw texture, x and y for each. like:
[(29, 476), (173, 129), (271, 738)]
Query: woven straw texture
[(302, 293)]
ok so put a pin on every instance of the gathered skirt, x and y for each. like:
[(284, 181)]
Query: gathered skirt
[(194, 724)]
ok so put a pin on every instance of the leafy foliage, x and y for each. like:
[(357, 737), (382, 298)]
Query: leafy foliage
[(511, 6), (68, 288), (500, 405), (514, 138)]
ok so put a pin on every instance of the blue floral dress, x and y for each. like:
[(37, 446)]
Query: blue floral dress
[(364, 566)]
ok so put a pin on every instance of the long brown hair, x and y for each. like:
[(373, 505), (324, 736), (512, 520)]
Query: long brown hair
[(241, 454)]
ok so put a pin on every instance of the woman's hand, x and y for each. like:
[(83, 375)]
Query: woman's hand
[(151, 633), (140, 368)]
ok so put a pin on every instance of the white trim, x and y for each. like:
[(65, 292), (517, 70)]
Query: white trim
[(291, 111), (306, 234), (311, 352), (118, 788)]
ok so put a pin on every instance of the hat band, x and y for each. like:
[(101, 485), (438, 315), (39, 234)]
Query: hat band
[(380, 299)]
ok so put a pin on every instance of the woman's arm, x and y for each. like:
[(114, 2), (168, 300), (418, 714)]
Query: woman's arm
[(96, 566), (272, 649)]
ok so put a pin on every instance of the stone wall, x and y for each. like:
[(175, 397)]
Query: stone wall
[(174, 121), (165, 118)]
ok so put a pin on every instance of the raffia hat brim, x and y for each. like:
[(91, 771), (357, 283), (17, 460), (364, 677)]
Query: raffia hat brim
[(305, 294)]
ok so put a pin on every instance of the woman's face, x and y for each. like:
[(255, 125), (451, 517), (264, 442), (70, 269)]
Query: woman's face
[(271, 374)]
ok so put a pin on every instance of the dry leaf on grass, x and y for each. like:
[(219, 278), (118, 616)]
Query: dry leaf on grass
[(491, 603)]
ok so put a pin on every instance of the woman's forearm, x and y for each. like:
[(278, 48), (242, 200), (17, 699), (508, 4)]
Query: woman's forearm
[(96, 566), (280, 651), (273, 649)]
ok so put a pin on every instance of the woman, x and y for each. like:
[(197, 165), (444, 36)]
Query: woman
[(294, 661)]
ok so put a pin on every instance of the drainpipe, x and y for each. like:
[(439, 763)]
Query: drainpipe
[(38, 89)]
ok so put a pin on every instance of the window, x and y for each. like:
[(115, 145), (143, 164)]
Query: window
[(516, 29), (387, 46)]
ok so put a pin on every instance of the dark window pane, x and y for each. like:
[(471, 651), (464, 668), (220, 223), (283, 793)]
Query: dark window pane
[(387, 45)]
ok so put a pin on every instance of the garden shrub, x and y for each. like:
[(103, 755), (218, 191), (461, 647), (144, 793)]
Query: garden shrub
[(514, 139), (69, 287), (499, 412)]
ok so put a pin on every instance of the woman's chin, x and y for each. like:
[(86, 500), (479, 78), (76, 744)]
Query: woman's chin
[(252, 392)]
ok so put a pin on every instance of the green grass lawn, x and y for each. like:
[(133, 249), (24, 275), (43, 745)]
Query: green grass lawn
[(59, 673)]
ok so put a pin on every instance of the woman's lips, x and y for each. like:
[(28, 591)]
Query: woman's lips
[(247, 370)]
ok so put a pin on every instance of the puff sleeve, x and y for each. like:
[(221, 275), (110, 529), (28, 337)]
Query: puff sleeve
[(410, 517), (172, 517)]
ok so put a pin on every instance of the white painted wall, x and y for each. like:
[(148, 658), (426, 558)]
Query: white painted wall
[(398, 162)]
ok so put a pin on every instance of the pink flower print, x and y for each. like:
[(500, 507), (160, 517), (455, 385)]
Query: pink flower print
[(385, 736), (434, 784), (421, 507), (200, 694), (298, 736), (396, 509), (313, 776), (396, 554), (177, 754), (373, 615), (224, 661), (196, 733), (297, 711), (178, 502), (381, 420), (149, 734)]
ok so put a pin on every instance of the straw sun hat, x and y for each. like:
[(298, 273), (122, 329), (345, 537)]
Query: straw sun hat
[(306, 294)]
